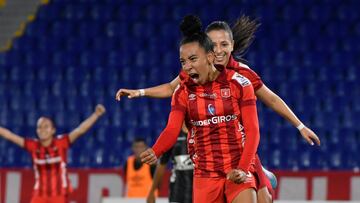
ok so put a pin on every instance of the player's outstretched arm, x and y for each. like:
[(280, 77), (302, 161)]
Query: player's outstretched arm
[(159, 173), (160, 91), (7, 134), (86, 124), (273, 101)]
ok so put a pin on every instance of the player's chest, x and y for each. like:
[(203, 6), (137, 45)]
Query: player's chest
[(48, 155), (207, 103)]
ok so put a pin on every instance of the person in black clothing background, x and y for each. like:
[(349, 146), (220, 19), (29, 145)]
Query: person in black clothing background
[(181, 179)]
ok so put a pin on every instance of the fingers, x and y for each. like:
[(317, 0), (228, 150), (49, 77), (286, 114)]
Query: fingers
[(100, 108), (310, 136), (315, 138), (148, 157), (119, 93), (126, 92), (236, 176)]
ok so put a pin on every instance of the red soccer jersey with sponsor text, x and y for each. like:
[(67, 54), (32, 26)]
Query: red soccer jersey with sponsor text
[(49, 163), (215, 114)]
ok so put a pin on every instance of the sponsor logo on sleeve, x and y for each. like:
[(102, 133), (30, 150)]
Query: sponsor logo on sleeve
[(243, 81)]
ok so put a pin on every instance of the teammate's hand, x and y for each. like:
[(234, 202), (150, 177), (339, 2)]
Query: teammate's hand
[(309, 136), (148, 157), (151, 197), (127, 92), (100, 109), (236, 175)]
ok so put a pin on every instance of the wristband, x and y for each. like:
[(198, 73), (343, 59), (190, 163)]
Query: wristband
[(142, 92), (300, 126)]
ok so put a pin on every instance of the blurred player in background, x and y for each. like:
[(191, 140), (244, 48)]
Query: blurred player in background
[(49, 156), (181, 179), (138, 176), (223, 122), (230, 46)]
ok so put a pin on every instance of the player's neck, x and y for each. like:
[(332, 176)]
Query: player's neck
[(47, 142), (213, 74)]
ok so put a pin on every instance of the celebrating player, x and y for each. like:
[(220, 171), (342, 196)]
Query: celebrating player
[(228, 43), (218, 106), (49, 156)]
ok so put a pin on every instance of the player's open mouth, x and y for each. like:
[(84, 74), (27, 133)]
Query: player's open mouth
[(194, 75)]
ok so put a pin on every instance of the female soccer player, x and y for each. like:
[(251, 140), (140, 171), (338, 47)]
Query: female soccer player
[(227, 43), (219, 108), (49, 156)]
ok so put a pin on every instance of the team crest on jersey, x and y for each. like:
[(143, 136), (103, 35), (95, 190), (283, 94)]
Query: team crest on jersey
[(243, 81), (225, 93), (192, 97), (211, 109)]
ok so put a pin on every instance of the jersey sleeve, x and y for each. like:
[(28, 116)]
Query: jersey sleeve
[(169, 135), (247, 101), (63, 141), (178, 101), (244, 70), (254, 78), (30, 145)]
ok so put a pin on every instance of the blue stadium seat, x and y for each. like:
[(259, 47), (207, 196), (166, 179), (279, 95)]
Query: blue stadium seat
[(76, 54)]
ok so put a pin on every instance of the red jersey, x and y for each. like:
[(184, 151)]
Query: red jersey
[(49, 163), (223, 121), (240, 68)]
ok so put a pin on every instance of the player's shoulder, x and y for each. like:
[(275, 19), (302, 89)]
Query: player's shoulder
[(32, 140), (62, 139), (244, 66), (61, 136)]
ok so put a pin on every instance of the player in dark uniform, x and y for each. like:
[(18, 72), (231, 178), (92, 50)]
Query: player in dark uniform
[(181, 179)]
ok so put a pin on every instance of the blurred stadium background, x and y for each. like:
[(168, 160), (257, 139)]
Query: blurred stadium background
[(62, 57)]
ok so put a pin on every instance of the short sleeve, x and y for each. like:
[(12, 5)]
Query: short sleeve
[(254, 78), (63, 141), (246, 90), (30, 145), (178, 101)]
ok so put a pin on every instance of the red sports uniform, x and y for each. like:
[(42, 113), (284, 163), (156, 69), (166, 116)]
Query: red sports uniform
[(51, 178), (224, 132), (257, 83)]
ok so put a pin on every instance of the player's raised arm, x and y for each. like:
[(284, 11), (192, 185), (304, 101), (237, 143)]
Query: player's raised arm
[(160, 91), (7, 134), (86, 125), (273, 101)]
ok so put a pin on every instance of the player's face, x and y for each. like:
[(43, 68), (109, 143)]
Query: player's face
[(223, 46), (196, 62), (45, 129), (138, 148)]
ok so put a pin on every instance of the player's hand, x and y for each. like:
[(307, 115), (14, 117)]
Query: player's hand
[(236, 175), (127, 92), (100, 109), (309, 136), (148, 157), (151, 197)]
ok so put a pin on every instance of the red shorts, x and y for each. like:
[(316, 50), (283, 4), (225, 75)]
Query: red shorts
[(219, 190), (261, 179), (53, 199)]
